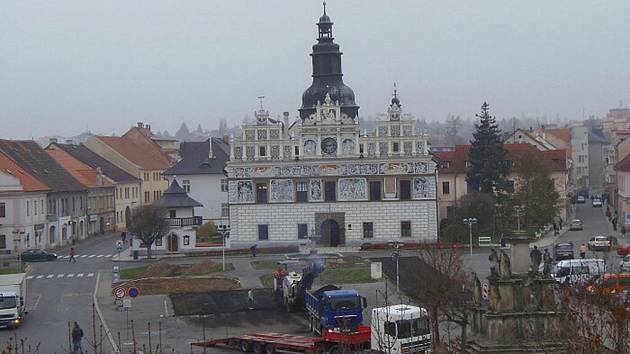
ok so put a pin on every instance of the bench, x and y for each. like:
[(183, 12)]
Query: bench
[(485, 240)]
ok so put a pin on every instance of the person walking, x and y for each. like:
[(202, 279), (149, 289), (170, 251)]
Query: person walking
[(123, 236), (583, 251), (72, 254), (253, 250), (77, 337)]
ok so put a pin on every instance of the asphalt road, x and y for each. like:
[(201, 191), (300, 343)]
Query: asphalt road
[(59, 293)]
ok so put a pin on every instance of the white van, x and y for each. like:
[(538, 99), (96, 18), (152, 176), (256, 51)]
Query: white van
[(574, 271)]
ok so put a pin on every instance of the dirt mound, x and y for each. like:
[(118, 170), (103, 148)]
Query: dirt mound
[(161, 269), (184, 285), (221, 302), (200, 268)]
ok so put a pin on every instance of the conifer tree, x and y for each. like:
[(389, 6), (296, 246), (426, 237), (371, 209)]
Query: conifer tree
[(487, 157)]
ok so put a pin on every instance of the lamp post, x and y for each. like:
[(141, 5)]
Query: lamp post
[(225, 233), (396, 255), (470, 222), (518, 210)]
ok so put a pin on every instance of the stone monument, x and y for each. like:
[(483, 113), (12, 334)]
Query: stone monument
[(522, 312)]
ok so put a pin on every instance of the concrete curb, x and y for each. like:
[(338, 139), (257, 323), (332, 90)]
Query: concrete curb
[(102, 318)]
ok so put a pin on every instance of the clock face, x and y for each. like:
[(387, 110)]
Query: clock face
[(329, 146)]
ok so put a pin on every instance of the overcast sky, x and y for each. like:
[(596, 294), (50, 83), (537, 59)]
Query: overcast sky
[(70, 66)]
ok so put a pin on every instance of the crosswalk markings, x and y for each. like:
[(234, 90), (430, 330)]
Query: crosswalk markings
[(108, 255), (88, 256), (30, 277), (50, 276), (62, 275), (70, 275), (39, 277), (84, 255), (90, 274), (100, 256)]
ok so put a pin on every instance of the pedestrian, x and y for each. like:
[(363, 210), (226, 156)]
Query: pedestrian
[(583, 251), (561, 221), (547, 257), (72, 240), (72, 254), (614, 223), (123, 236), (77, 337), (555, 229), (253, 250)]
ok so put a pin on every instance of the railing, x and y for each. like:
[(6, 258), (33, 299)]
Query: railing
[(181, 222)]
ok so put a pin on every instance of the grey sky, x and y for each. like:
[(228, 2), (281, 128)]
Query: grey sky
[(68, 66)]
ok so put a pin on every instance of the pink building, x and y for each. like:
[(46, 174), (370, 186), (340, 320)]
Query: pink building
[(622, 170)]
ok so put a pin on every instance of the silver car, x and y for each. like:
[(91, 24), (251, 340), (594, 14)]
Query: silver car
[(625, 264), (576, 224)]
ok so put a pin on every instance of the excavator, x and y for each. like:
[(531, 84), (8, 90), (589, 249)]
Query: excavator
[(290, 287)]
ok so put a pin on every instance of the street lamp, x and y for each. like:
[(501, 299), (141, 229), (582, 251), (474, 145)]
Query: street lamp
[(519, 210), (396, 245), (224, 230), (470, 222)]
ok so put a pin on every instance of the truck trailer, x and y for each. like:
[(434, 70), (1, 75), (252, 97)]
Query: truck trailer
[(394, 329), (12, 300)]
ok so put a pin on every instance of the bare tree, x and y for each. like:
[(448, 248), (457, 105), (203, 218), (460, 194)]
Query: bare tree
[(148, 224)]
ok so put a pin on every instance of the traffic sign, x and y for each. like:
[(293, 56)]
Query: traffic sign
[(126, 303), (119, 292), (133, 292), (484, 291)]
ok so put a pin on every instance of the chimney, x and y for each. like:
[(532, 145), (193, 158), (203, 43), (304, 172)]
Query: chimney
[(140, 125), (52, 140), (99, 176), (285, 116)]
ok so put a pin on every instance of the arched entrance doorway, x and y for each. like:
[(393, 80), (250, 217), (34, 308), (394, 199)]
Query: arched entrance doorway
[(101, 225), (127, 215), (51, 235), (330, 232), (173, 243)]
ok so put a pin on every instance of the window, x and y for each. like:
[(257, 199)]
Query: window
[(261, 193), (225, 210), (405, 189), (390, 329), (302, 231), (3, 242), (224, 185), (126, 192), (263, 232), (405, 229), (3, 210), (147, 197), (368, 230), (34, 207), (186, 240), (172, 214), (42, 206), (262, 151), (375, 190), (158, 242), (330, 191), (301, 189), (73, 204), (146, 176), (186, 185), (297, 150), (446, 188), (28, 208), (395, 147)]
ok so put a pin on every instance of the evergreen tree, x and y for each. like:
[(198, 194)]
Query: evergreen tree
[(487, 167)]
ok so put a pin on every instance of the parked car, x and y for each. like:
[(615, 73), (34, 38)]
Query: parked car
[(581, 199), (576, 224), (602, 243), (37, 255), (625, 264), (577, 271), (624, 250), (563, 250), (597, 203)]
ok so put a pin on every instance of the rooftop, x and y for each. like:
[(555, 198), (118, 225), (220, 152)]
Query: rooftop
[(92, 159), (28, 182), (199, 158), (87, 175), (144, 157), (176, 197)]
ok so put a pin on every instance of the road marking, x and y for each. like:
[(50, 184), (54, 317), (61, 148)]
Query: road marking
[(30, 277), (90, 275), (79, 275), (50, 276), (84, 255), (34, 306), (92, 256), (65, 257), (99, 256), (60, 275), (70, 275), (108, 255), (39, 277), (165, 309)]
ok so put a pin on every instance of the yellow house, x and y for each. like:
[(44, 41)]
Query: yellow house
[(141, 161), (452, 166)]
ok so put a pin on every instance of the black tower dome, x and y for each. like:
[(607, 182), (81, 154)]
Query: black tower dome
[(327, 75)]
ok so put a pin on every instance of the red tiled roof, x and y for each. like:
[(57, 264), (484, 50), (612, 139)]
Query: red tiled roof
[(29, 183), (144, 157), (83, 173), (455, 161), (563, 134)]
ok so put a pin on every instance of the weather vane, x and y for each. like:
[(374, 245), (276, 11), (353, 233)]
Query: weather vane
[(261, 98)]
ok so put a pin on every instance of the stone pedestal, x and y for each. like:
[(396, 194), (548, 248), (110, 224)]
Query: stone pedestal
[(519, 244)]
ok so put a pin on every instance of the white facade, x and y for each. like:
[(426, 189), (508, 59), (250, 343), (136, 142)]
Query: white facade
[(178, 239), (208, 189), (579, 155), (323, 180), (127, 197), (23, 221)]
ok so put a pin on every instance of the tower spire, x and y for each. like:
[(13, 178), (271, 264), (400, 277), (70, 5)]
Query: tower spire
[(324, 7)]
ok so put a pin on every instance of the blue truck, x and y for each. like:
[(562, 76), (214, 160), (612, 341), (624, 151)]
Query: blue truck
[(331, 307)]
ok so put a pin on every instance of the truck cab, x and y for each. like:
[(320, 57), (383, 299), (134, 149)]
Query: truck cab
[(331, 308), (12, 300), (400, 329)]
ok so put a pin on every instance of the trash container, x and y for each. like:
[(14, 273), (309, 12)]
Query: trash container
[(135, 254)]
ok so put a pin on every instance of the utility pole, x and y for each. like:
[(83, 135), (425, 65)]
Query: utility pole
[(224, 230), (470, 222), (396, 245)]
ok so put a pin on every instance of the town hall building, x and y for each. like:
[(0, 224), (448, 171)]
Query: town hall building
[(323, 180)]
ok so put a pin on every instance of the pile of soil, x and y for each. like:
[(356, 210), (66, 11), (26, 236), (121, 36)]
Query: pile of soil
[(162, 269), (221, 302), (184, 285), (200, 268)]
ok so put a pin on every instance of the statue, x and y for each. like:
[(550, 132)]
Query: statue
[(476, 285), (494, 263), (495, 297), (536, 258), (505, 268)]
